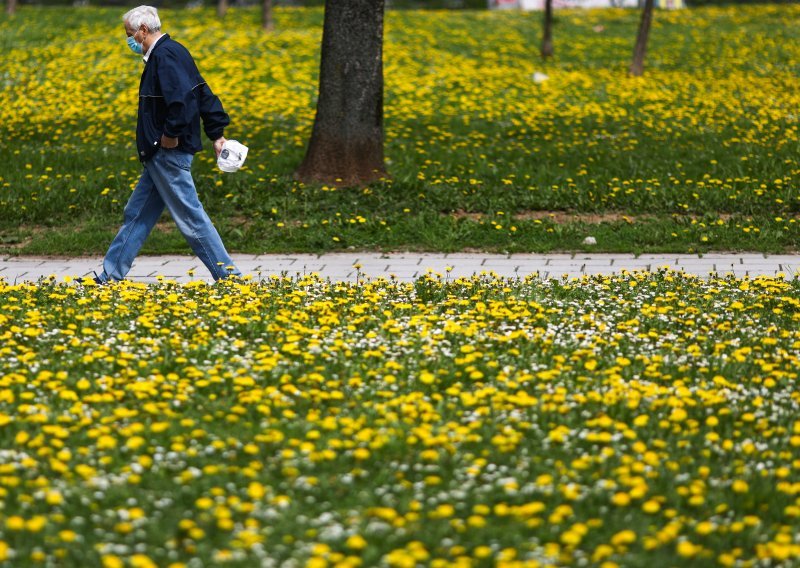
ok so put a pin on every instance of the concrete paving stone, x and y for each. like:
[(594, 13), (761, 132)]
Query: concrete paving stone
[(559, 270), (475, 258), (371, 263), (304, 269), (561, 256), (782, 258), (599, 262), (25, 265), (399, 274), (725, 256), (339, 260), (615, 260), (373, 272), (340, 255), (269, 263), (530, 268), (293, 259), (407, 262), (408, 265), (658, 262), (563, 262), (567, 264), (696, 262), (399, 257), (373, 256), (30, 260), (499, 260), (500, 267), (464, 255), (630, 266), (442, 263), (32, 276), (598, 256), (525, 257), (726, 267), (156, 265), (777, 266)]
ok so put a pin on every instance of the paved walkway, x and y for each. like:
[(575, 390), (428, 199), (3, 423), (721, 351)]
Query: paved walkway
[(408, 266)]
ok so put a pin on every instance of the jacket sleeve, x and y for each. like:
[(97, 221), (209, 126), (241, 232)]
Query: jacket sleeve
[(177, 90), (215, 119)]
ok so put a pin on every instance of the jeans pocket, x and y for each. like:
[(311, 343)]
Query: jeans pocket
[(177, 159)]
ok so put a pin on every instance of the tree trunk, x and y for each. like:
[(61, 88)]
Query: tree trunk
[(346, 146), (222, 8), (547, 36), (11, 7), (266, 15), (637, 66)]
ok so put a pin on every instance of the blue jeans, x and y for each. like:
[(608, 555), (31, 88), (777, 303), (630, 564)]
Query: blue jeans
[(166, 181)]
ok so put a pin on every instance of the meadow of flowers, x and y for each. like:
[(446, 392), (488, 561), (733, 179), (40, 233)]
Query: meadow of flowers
[(634, 420), (700, 154)]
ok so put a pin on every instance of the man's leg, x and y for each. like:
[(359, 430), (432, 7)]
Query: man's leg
[(143, 209), (171, 173)]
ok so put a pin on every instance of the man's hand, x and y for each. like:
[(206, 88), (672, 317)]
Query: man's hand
[(167, 142), (218, 143)]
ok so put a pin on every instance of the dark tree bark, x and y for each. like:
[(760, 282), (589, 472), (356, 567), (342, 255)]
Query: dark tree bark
[(637, 66), (547, 36), (346, 146), (11, 7), (266, 15), (222, 8)]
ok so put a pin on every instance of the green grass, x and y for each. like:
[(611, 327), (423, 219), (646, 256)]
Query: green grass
[(643, 419), (476, 150)]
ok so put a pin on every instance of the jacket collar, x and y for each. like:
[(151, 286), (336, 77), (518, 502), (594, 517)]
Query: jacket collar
[(153, 47)]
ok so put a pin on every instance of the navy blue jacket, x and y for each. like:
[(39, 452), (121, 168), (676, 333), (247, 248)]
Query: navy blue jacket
[(173, 97)]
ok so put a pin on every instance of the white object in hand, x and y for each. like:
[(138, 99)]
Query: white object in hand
[(232, 156)]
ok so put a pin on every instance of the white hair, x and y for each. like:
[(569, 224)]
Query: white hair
[(146, 15)]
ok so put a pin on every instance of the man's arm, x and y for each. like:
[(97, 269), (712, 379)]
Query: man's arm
[(215, 119)]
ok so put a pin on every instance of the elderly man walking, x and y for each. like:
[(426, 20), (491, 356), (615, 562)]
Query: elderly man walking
[(173, 98)]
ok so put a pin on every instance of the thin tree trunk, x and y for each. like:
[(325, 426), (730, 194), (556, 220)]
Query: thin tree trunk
[(11, 7), (547, 36), (346, 146), (637, 66), (222, 8), (266, 15)]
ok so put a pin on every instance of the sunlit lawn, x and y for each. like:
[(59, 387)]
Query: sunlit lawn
[(634, 420), (639, 420), (700, 154)]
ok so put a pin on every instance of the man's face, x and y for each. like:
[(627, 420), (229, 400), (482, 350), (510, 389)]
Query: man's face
[(138, 34)]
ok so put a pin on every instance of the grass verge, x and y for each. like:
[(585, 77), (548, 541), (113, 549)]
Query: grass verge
[(641, 419)]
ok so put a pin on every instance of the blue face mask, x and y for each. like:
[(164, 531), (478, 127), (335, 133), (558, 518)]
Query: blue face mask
[(135, 46)]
